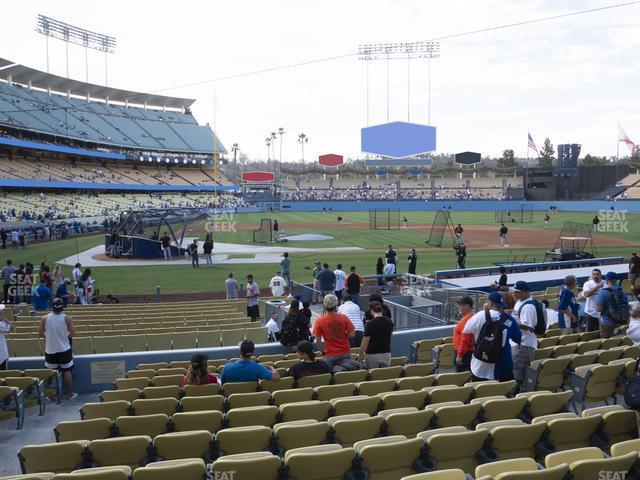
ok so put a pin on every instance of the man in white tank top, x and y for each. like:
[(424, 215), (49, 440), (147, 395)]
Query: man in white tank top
[(57, 330)]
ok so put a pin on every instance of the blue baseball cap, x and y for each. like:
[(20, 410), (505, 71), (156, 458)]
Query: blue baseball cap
[(521, 286), (611, 276), (496, 298)]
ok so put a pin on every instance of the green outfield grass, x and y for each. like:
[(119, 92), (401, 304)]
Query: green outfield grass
[(184, 279)]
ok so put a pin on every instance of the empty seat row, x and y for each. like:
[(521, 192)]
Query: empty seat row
[(394, 456), (32, 347)]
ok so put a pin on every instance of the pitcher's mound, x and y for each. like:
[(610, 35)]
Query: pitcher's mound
[(308, 237)]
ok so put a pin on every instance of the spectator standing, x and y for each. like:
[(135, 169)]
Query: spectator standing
[(498, 365), (352, 311), (326, 280), (21, 238), (165, 243), (341, 278), (463, 344), (198, 372), (316, 282), (231, 287), (613, 305), (86, 287), (567, 306), (590, 291), (63, 293), (526, 316), (552, 315), (5, 327), (295, 326), (245, 369), (389, 272), (207, 248), (42, 296), (15, 239), (306, 310), (3, 238), (353, 284), (7, 274), (413, 262), (504, 232), (380, 272), (45, 274), (502, 280), (332, 331), (390, 255), (58, 277), (193, 251), (376, 297), (634, 268), (76, 274), (633, 332), (277, 285), (253, 295), (57, 330), (308, 364), (375, 349), (285, 268)]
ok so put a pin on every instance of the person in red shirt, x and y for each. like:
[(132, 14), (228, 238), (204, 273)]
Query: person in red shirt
[(198, 372), (332, 331), (463, 342)]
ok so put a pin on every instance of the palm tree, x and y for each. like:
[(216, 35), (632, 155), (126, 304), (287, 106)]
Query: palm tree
[(273, 148), (267, 142), (235, 148), (302, 139), (281, 133)]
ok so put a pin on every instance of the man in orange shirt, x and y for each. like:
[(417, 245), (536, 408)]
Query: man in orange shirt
[(463, 343), (332, 331)]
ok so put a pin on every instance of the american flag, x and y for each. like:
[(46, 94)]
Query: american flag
[(531, 143)]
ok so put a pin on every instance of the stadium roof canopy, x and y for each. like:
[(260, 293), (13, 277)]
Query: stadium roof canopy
[(36, 78)]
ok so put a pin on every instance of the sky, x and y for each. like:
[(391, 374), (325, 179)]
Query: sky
[(572, 79)]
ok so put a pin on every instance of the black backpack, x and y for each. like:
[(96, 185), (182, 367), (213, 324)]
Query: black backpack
[(541, 316), (632, 390), (288, 332), (488, 347)]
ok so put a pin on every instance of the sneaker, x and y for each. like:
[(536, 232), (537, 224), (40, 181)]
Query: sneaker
[(72, 397)]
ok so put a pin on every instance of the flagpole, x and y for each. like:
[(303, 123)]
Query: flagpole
[(618, 145)]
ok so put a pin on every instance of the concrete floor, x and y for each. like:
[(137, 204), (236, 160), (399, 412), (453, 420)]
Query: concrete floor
[(37, 430)]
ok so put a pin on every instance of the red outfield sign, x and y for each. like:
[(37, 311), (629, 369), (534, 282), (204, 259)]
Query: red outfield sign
[(330, 160), (258, 176)]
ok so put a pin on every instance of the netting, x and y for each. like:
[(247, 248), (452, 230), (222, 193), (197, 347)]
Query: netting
[(524, 214), (441, 223), (265, 233), (384, 219)]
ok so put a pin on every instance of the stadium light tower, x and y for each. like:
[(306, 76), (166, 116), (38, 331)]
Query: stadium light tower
[(50, 27), (396, 51)]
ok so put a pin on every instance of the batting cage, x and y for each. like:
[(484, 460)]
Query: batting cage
[(384, 219), (524, 214), (442, 224), (265, 233)]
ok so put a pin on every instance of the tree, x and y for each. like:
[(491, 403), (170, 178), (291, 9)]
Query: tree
[(273, 147), (593, 160), (547, 155), (267, 142), (302, 139), (508, 159), (281, 133), (235, 148)]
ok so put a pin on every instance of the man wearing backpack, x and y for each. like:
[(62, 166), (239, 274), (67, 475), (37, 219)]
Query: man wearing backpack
[(634, 268), (530, 317), (492, 330), (612, 303)]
